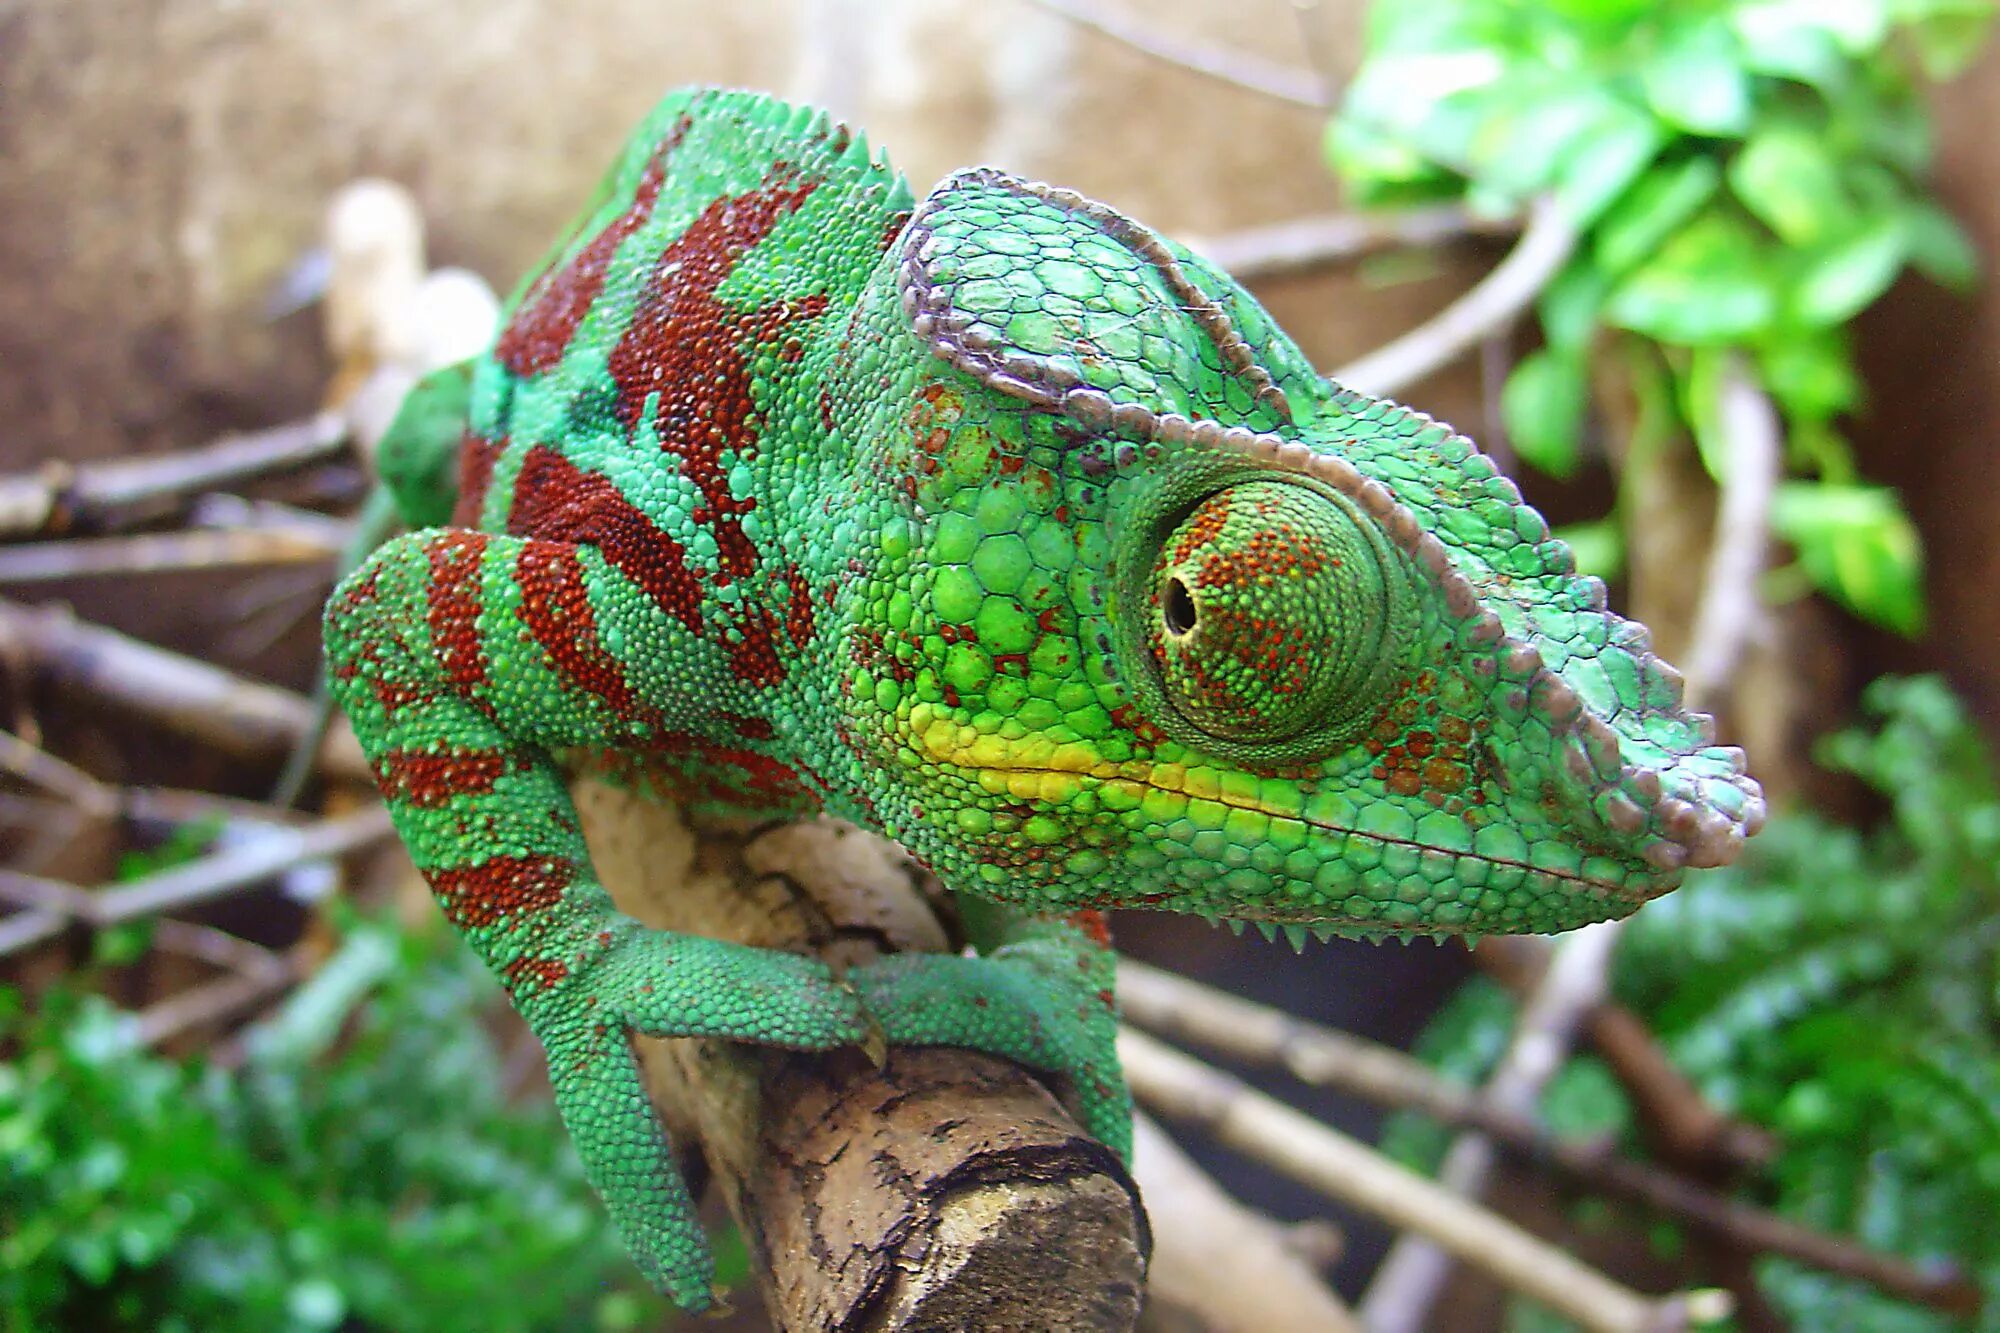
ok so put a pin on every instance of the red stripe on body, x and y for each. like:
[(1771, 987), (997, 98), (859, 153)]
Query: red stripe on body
[(429, 778), (476, 457), (501, 888), (556, 500), (688, 355), (538, 335), (555, 606), (453, 613)]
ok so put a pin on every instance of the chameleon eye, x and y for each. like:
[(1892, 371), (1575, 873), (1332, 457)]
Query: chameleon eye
[(1267, 613)]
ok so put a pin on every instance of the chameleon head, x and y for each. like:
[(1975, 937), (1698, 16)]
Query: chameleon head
[(1167, 620)]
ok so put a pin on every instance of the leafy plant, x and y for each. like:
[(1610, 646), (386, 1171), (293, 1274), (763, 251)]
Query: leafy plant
[(362, 1169), (1840, 986), (1746, 176)]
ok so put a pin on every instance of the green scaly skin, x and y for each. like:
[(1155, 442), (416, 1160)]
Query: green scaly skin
[(1005, 527)]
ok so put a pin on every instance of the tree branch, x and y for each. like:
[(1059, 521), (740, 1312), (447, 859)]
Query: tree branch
[(931, 1191), (1182, 1088), (1499, 298), (1729, 607), (59, 496), (1239, 69), (1312, 242)]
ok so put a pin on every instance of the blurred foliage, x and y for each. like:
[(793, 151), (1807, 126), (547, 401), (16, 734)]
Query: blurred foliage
[(1841, 986), (1747, 176), (363, 1168)]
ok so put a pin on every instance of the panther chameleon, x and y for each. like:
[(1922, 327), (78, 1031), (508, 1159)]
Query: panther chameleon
[(1003, 526)]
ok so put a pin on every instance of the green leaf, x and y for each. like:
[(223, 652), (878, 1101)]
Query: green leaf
[(1698, 83), (1939, 247), (1700, 384), (1947, 33), (1787, 177), (1712, 282), (1569, 305), (1542, 407), (1839, 280), (1652, 210), (1810, 373), (1788, 41), (1605, 162), (1858, 546)]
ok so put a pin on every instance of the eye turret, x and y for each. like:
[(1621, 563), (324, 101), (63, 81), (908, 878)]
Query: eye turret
[(1268, 612)]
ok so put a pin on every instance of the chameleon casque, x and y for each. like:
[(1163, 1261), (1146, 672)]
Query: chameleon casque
[(1008, 528)]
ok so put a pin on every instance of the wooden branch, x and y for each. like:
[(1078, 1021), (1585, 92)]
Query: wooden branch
[(236, 868), (1323, 1057), (1496, 302), (185, 696), (1182, 1088), (1269, 251), (161, 552), (1411, 1278), (1729, 609), (1238, 68), (941, 1189), (1679, 1121), (59, 497), (1216, 1264)]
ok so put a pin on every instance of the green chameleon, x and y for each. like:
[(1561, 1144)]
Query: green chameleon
[(1008, 528)]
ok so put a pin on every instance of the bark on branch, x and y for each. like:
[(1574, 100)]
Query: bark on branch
[(941, 1189)]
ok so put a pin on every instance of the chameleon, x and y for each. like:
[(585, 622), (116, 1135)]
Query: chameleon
[(1001, 525)]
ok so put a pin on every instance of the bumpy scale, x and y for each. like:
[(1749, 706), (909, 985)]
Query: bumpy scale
[(1012, 530)]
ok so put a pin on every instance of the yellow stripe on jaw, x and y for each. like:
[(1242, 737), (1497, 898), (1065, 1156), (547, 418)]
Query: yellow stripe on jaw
[(1034, 768)]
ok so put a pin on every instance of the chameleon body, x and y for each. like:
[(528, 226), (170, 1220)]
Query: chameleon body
[(1003, 526)]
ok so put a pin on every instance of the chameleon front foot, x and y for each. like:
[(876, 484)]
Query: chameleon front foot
[(667, 985), (1043, 999)]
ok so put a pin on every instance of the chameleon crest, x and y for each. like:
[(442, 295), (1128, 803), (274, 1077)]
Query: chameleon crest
[(1012, 530)]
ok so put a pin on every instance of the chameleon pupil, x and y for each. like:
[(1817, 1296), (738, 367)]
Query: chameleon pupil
[(1180, 612)]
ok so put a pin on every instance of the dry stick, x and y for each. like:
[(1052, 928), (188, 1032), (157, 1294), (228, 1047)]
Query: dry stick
[(1184, 1089), (25, 929), (185, 696), (1410, 1278), (33, 764), (252, 974), (160, 552), (1401, 1292), (237, 868), (1729, 608), (1285, 247), (59, 496), (1238, 68), (1199, 1231), (1188, 1011), (1687, 1130), (1498, 299)]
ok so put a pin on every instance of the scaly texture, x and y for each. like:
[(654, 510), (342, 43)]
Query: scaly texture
[(1009, 529)]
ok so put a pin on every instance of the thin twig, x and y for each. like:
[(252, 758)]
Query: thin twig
[(189, 697), (1185, 1089), (1729, 606), (1676, 1118), (160, 552), (1237, 68), (1410, 1279), (1199, 1231), (26, 929), (1188, 1011), (1313, 242), (237, 868), (251, 975), (1499, 298), (32, 764), (59, 497)]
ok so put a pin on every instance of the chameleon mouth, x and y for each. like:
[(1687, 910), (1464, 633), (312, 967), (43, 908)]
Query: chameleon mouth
[(1006, 779)]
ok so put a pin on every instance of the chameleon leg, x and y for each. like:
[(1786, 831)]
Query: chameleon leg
[(1042, 996), (463, 660)]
